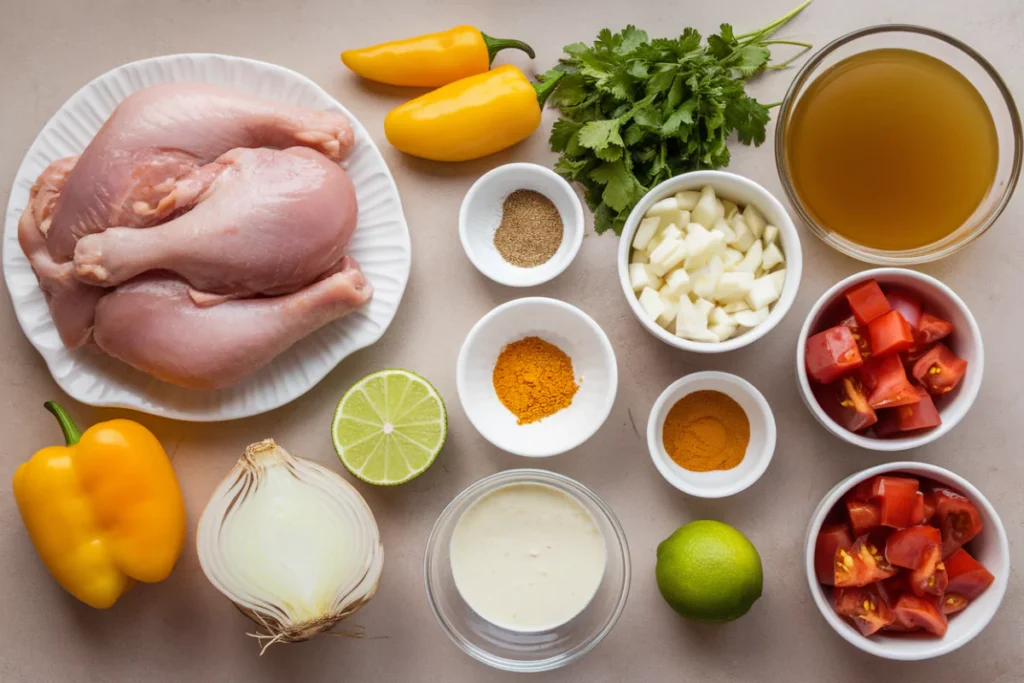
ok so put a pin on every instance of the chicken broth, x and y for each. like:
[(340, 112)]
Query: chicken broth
[(892, 149)]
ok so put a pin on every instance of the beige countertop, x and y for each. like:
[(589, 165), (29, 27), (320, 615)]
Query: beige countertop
[(184, 630)]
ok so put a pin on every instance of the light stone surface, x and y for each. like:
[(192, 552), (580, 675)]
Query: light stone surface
[(183, 630)]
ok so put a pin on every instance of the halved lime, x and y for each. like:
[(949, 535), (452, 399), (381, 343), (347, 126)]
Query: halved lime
[(389, 427)]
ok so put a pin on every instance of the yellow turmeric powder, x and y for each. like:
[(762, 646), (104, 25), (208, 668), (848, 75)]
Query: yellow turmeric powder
[(534, 379), (706, 431)]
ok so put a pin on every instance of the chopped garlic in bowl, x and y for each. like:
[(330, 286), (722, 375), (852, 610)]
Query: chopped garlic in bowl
[(707, 258)]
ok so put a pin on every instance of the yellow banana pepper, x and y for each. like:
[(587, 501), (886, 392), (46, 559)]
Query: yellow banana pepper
[(431, 60), (103, 511), (471, 118)]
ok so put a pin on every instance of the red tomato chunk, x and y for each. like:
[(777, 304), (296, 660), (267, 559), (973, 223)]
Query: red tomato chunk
[(831, 354), (953, 603), (931, 329), (846, 404), (957, 519), (860, 335), (914, 612), (886, 380), (890, 333), (930, 577), (939, 370), (967, 576), (865, 607), (862, 564), (867, 301), (907, 304), (920, 415), (907, 547), (898, 497), (864, 516), (830, 540)]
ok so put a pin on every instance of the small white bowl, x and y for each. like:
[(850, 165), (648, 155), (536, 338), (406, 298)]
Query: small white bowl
[(965, 342), (760, 449), (568, 328), (743, 191), (990, 547), (480, 216)]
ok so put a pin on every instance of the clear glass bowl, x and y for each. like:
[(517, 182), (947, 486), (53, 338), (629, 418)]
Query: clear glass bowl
[(511, 650), (976, 69)]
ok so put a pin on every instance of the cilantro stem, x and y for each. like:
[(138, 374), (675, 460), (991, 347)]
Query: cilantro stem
[(785, 64), (546, 87), (779, 41), (774, 26)]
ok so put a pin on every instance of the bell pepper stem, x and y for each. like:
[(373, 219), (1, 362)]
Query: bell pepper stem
[(495, 45), (547, 86), (67, 425)]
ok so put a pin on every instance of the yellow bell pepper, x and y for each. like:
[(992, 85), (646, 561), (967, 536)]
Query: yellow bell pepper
[(471, 118), (431, 60), (103, 511)]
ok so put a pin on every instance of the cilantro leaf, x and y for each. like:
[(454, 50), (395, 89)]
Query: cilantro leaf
[(636, 111), (599, 134)]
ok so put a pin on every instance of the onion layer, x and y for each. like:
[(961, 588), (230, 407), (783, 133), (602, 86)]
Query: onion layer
[(291, 543)]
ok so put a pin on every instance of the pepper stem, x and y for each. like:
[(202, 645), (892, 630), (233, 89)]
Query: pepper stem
[(496, 45), (67, 425)]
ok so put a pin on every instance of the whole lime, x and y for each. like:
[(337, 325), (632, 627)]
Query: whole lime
[(709, 571)]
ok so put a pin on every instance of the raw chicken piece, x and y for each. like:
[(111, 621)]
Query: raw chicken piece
[(71, 302), (161, 134), (153, 325), (266, 222), (131, 175)]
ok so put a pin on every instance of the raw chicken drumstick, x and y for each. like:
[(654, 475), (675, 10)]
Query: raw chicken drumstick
[(265, 222), (152, 324)]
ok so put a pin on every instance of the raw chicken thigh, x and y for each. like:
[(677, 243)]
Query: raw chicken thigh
[(181, 244), (152, 324), (265, 222)]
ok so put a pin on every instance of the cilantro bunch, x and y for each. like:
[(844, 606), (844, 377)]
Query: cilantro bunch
[(637, 111)]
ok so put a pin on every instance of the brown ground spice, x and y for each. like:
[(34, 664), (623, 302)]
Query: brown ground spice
[(531, 229), (706, 431), (534, 379)]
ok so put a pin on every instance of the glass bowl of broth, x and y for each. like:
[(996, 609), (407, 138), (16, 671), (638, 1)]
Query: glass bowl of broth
[(898, 144)]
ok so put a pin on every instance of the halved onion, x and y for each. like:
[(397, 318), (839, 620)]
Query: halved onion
[(291, 543)]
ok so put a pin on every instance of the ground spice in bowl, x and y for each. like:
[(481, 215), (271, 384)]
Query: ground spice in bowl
[(534, 379), (530, 231), (706, 431)]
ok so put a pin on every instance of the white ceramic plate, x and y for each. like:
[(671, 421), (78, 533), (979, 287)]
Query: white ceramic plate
[(380, 244)]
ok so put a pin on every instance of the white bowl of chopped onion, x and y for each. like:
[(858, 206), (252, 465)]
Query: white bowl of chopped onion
[(709, 261)]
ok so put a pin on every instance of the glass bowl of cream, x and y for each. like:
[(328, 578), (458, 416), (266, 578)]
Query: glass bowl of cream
[(527, 570)]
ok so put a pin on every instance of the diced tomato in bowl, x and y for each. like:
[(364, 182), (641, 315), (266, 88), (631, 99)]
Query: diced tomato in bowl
[(898, 341), (896, 584)]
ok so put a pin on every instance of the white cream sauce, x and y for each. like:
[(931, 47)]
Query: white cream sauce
[(527, 557)]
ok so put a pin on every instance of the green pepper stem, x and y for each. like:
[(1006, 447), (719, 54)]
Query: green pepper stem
[(546, 87), (496, 45), (67, 425)]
